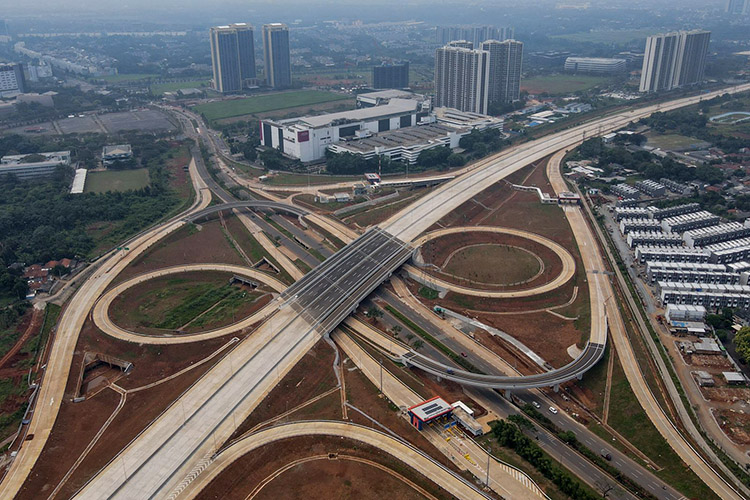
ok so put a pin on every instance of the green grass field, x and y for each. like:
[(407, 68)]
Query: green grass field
[(264, 103), (608, 36), (160, 88), (116, 180), (128, 77), (672, 141), (562, 84), (302, 179)]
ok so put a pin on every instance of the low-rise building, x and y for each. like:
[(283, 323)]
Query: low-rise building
[(428, 411), (734, 378), (29, 166), (79, 181), (116, 154), (625, 212), (707, 346), (680, 312), (628, 225), (676, 187), (664, 213), (670, 254), (651, 238), (651, 188), (626, 191), (715, 234), (686, 222), (704, 378), (595, 65)]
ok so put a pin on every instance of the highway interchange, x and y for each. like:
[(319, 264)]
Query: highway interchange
[(189, 431)]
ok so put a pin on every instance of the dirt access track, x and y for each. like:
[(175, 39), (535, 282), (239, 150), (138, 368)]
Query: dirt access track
[(568, 264), (105, 323)]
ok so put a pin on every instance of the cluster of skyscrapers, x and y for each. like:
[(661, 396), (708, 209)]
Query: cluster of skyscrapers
[(470, 79), (233, 56), (674, 60)]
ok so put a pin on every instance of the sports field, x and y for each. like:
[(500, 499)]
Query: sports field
[(266, 102), (116, 180), (562, 84), (127, 77), (160, 88)]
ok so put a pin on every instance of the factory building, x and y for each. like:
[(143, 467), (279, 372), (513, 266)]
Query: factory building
[(670, 254), (715, 234), (631, 213), (652, 238), (628, 225), (686, 222), (626, 191), (651, 188)]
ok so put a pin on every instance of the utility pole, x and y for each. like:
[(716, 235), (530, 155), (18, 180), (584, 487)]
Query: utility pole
[(381, 375)]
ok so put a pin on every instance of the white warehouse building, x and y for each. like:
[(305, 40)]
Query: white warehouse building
[(306, 138)]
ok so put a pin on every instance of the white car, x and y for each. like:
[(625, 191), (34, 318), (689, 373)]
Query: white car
[(536, 405), (553, 410)]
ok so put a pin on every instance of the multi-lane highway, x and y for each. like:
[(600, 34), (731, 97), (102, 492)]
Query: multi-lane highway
[(195, 424)]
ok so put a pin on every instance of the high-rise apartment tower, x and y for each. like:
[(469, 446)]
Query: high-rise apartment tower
[(276, 55), (674, 60), (462, 77), (505, 70), (232, 56)]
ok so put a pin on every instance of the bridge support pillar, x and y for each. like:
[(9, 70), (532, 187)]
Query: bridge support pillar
[(579, 376), (556, 388), (508, 394)]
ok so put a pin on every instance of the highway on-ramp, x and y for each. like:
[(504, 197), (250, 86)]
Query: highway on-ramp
[(401, 450), (103, 321)]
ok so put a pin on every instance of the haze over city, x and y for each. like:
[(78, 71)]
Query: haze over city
[(327, 249)]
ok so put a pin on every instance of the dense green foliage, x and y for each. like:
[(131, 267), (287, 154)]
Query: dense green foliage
[(86, 148), (40, 221), (645, 163), (12, 286), (351, 164), (742, 343), (693, 124), (478, 143)]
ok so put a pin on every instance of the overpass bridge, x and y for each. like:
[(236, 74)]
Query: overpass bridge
[(261, 204)]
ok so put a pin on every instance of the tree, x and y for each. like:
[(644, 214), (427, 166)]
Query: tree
[(742, 343), (396, 329), (374, 312), (605, 487), (418, 344)]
